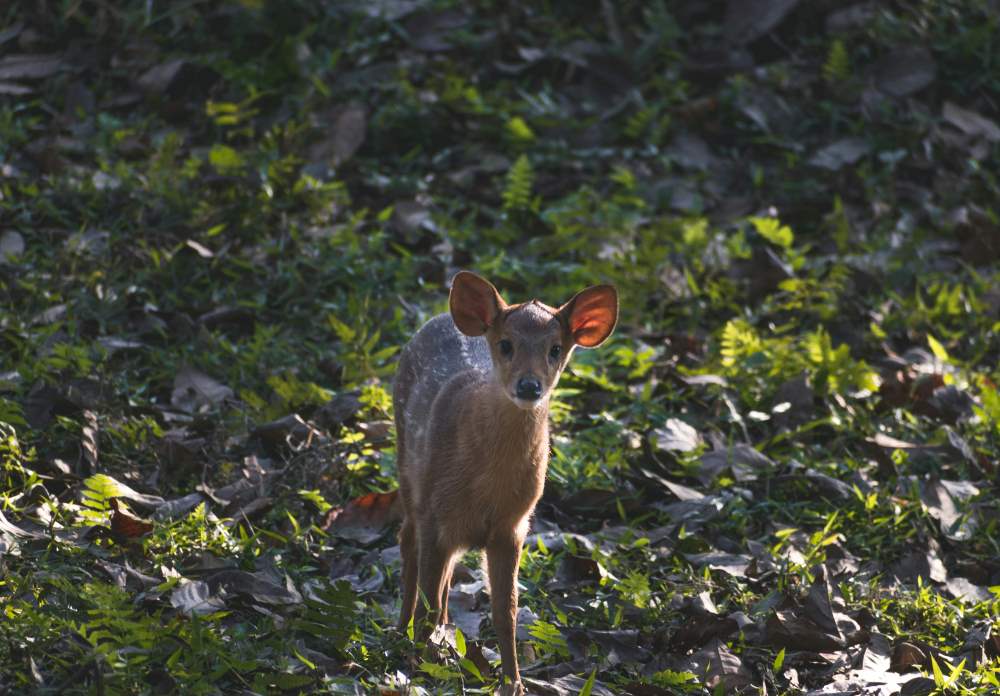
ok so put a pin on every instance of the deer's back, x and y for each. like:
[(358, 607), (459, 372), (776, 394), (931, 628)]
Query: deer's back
[(436, 355)]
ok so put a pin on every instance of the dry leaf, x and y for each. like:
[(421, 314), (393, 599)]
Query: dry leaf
[(125, 525), (194, 391), (29, 66)]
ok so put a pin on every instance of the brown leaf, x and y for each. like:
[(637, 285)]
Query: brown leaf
[(364, 518), (125, 525), (906, 656), (574, 570), (29, 66)]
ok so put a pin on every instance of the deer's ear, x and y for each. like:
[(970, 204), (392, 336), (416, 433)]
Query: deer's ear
[(475, 304), (591, 315)]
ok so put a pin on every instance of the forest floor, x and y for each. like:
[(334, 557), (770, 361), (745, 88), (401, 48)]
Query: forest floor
[(219, 222)]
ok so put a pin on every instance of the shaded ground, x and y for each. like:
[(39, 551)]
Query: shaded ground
[(220, 221)]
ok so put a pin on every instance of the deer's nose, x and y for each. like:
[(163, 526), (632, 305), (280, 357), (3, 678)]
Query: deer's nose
[(529, 388)]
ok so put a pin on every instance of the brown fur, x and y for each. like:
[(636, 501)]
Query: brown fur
[(472, 455)]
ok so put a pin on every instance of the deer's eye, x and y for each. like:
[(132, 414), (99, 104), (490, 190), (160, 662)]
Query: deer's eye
[(555, 351), (506, 348)]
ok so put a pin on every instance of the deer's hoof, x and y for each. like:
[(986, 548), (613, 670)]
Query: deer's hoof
[(513, 689)]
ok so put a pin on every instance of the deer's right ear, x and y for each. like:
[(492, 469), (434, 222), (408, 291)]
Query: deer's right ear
[(475, 304)]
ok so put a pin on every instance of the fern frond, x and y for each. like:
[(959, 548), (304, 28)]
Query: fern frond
[(520, 180), (838, 63)]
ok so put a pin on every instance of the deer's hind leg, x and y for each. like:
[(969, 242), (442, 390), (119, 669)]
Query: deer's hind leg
[(409, 553), (434, 562)]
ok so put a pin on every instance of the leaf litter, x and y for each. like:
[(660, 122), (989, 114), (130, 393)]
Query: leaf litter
[(771, 485)]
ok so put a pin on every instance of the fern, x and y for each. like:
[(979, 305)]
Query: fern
[(838, 64), (773, 231), (330, 614), (520, 180), (739, 340), (519, 131)]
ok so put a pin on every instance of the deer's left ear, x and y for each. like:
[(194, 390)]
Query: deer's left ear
[(591, 315)]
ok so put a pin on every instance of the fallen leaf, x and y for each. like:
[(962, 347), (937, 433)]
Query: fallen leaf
[(194, 391), (159, 77), (8, 527), (260, 586), (11, 246), (125, 525), (719, 666), (14, 89), (173, 509), (918, 686), (338, 410), (29, 66), (734, 564), (968, 592), (574, 570), (906, 656), (748, 20), (743, 460), (116, 489), (677, 436), (290, 431), (905, 70), (349, 133), (429, 31), (364, 519), (840, 153), (970, 123), (193, 598), (569, 685), (787, 629), (940, 504), (680, 491), (88, 441), (924, 564), (464, 609), (877, 655)]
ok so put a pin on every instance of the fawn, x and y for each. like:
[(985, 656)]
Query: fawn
[(471, 400)]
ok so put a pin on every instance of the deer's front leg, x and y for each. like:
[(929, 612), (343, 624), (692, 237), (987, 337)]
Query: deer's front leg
[(503, 556)]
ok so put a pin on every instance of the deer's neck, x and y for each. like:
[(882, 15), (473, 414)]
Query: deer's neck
[(515, 434)]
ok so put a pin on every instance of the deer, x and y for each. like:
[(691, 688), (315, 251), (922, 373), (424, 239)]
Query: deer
[(471, 406)]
